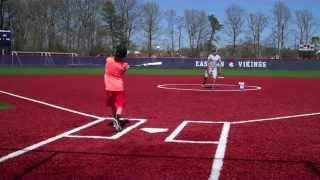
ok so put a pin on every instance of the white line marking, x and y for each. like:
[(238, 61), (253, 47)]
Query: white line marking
[(276, 118), (171, 137), (194, 142), (207, 122), (88, 137), (117, 135), (220, 153), (47, 141), (51, 105), (247, 88)]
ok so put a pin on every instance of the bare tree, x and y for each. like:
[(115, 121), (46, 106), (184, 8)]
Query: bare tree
[(127, 14), (198, 29), (2, 13), (110, 20), (66, 23), (204, 31), (132, 15), (51, 16), (171, 20), (8, 13), (38, 20), (16, 12), (191, 27), (257, 22), (32, 21), (281, 17), (305, 23), (234, 23), (150, 22), (58, 25), (180, 27), (86, 12)]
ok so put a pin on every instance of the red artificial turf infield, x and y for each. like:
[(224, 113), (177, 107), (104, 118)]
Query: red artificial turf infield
[(283, 149)]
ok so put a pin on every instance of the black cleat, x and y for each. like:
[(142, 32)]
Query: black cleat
[(124, 122), (117, 125)]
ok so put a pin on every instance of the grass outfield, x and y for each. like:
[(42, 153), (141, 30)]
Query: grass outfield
[(4, 106), (99, 71)]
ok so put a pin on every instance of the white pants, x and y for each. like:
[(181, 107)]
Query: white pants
[(211, 72)]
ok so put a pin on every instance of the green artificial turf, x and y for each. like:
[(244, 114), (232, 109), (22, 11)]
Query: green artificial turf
[(4, 106), (47, 71), (100, 70)]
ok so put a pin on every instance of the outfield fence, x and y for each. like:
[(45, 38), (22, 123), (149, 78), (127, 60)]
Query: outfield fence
[(186, 63)]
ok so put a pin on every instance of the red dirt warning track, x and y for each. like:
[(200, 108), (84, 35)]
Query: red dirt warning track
[(285, 148)]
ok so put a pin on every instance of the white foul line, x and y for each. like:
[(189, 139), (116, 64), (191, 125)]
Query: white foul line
[(220, 153), (275, 118), (51, 105), (47, 141)]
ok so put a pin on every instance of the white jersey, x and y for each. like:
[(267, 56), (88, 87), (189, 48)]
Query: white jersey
[(214, 61)]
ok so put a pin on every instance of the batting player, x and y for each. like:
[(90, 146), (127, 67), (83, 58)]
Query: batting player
[(115, 69), (213, 62)]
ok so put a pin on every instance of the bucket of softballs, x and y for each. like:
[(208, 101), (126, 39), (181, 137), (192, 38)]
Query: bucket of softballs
[(241, 85)]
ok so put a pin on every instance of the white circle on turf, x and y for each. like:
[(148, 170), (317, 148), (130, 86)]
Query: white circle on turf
[(216, 87)]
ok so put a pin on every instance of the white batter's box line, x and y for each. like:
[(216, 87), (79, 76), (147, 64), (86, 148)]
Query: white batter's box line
[(207, 122), (220, 152), (174, 134), (115, 136)]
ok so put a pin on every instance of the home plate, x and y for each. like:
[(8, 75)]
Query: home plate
[(154, 130), (220, 77)]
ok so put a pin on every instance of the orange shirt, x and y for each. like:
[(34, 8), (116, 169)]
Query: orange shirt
[(114, 74)]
